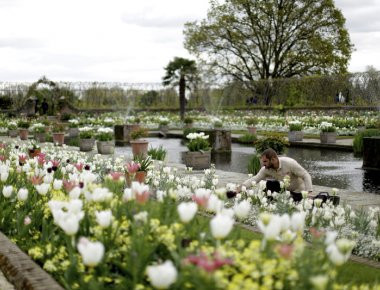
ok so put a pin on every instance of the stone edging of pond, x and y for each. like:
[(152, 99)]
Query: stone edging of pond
[(21, 271)]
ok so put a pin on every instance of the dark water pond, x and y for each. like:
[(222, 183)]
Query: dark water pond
[(327, 167)]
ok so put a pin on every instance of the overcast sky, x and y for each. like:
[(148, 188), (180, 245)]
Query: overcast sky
[(128, 40)]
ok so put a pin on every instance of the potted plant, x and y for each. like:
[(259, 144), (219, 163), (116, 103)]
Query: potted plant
[(39, 132), (23, 129), (145, 163), (188, 122), (105, 143), (328, 133), (12, 129), (58, 134), (86, 140), (251, 125), (295, 131), (73, 128), (139, 146), (34, 150), (199, 154), (163, 125), (46, 123), (218, 124)]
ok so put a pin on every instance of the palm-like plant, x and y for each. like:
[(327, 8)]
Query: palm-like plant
[(181, 72)]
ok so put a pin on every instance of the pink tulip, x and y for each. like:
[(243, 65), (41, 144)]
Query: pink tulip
[(133, 167), (116, 175)]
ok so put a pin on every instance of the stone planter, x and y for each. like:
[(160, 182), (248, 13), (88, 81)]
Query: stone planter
[(140, 147), (58, 138), (295, 136), (105, 147), (13, 133), (220, 140), (123, 133), (40, 137), (86, 145), (252, 130), (328, 137), (23, 134), (197, 160), (73, 132)]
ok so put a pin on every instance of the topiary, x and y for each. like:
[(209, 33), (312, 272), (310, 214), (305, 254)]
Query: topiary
[(276, 142)]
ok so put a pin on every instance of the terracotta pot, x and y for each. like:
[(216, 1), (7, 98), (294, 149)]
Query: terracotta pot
[(40, 137), (140, 176), (13, 133), (328, 137), (295, 136), (58, 138), (105, 147), (251, 130), (34, 152), (23, 134), (197, 160), (86, 145), (140, 147)]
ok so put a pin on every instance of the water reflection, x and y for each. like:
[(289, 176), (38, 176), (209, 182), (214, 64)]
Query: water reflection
[(327, 167)]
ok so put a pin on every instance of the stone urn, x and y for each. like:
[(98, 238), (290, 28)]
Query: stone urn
[(13, 133), (140, 147), (198, 160), (328, 137), (40, 137), (105, 147), (295, 136), (252, 130), (58, 138), (23, 134), (73, 132), (86, 145)]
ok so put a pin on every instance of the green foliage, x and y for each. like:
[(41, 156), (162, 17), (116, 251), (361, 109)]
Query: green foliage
[(24, 124), (66, 117), (248, 138), (358, 139), (58, 128), (73, 142), (251, 121), (244, 39), (139, 133), (188, 120), (199, 142), (218, 124), (276, 142), (295, 126), (145, 162), (149, 98), (254, 164), (86, 133), (157, 153)]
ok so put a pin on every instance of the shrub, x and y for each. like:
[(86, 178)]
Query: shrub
[(251, 121), (198, 142), (139, 133), (276, 142), (295, 126), (157, 153), (188, 120), (247, 138), (66, 117), (358, 139), (23, 124), (218, 124), (254, 164)]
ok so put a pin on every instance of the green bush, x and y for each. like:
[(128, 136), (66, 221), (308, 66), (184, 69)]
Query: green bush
[(247, 138), (358, 139), (276, 142), (254, 164), (157, 153)]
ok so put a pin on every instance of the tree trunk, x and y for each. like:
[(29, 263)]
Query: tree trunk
[(182, 100)]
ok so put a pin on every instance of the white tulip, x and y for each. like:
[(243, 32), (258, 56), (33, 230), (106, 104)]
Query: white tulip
[(270, 225), (7, 191), (75, 193), (242, 209), (57, 184), (48, 178), (69, 223), (91, 252), (42, 188), (187, 211), (141, 216), (221, 225), (4, 176), (104, 218), (22, 194), (297, 221), (128, 195), (162, 276), (335, 255), (214, 204)]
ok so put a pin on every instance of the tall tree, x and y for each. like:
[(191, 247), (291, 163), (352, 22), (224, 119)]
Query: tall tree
[(264, 39), (181, 72)]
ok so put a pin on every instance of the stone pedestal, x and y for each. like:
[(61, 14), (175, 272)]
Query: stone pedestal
[(122, 133), (371, 152), (220, 140)]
